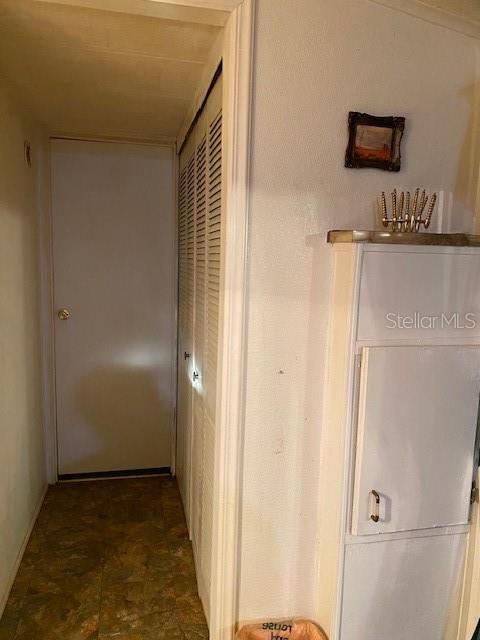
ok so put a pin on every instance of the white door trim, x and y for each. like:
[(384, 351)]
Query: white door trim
[(173, 465), (470, 601), (45, 250), (230, 396), (212, 12), (47, 311), (216, 5)]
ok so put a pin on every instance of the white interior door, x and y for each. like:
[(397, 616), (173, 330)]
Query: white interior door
[(417, 422), (114, 271)]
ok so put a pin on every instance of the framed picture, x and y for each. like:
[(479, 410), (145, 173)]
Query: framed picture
[(374, 141)]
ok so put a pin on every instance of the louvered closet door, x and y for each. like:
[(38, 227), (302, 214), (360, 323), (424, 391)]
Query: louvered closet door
[(212, 302), (186, 248), (199, 343), (200, 190)]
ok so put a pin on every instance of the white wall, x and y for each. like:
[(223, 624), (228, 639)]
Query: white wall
[(315, 61), (22, 467)]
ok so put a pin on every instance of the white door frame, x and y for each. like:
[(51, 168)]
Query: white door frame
[(238, 68), (45, 252), (47, 309), (230, 404), (237, 59), (470, 599)]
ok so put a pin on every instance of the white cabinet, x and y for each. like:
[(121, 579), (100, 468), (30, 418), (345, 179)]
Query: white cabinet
[(410, 588), (416, 430), (399, 441)]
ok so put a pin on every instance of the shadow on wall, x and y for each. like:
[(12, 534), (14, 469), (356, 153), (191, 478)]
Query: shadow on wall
[(467, 182), (118, 405)]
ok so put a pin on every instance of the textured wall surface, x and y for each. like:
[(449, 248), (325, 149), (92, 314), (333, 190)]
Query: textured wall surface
[(316, 60), (22, 467)]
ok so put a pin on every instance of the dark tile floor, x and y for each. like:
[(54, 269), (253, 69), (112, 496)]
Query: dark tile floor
[(107, 560)]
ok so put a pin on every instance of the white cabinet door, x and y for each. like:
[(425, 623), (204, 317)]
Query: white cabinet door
[(403, 589), (434, 280), (417, 422)]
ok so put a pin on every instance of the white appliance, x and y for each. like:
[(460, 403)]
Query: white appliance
[(400, 436)]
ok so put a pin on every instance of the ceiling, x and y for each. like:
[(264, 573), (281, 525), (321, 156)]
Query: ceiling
[(94, 73)]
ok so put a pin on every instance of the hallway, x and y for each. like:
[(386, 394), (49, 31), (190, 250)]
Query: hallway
[(107, 559)]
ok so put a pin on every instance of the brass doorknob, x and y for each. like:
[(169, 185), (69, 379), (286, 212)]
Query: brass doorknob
[(63, 314)]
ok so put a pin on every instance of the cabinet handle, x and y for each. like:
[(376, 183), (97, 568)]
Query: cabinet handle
[(375, 516)]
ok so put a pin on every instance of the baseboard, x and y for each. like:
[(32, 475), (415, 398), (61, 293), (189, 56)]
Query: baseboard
[(203, 591), (13, 574), (119, 473)]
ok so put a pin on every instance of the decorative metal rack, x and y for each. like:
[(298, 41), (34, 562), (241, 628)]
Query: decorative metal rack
[(407, 215)]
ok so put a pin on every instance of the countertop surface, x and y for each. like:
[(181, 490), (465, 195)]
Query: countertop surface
[(388, 237)]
